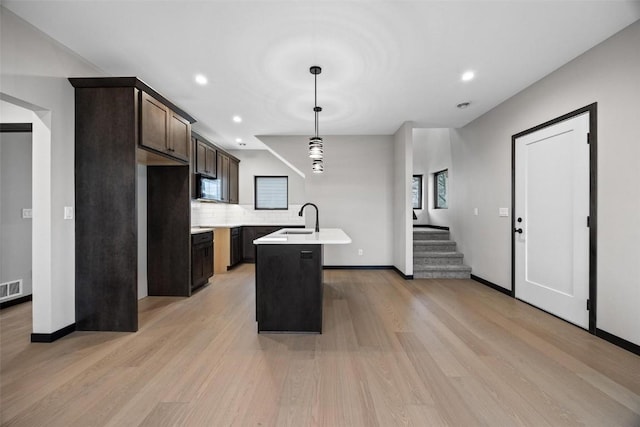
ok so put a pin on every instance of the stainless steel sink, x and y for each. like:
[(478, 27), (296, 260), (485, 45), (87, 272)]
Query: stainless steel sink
[(297, 232)]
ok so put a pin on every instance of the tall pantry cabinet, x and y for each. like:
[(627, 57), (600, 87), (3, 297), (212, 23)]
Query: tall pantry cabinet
[(119, 123)]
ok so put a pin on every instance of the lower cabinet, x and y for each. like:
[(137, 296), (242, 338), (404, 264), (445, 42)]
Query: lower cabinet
[(235, 247), (289, 288), (201, 258)]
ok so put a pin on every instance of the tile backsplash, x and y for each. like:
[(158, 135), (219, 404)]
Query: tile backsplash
[(203, 214)]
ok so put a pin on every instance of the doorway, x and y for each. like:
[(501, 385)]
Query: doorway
[(14, 110), (15, 213), (554, 217)]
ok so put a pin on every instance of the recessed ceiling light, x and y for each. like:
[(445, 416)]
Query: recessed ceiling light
[(201, 79), (238, 140), (468, 75), (237, 119), (463, 105)]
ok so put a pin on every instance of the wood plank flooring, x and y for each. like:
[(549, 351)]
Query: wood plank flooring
[(394, 352)]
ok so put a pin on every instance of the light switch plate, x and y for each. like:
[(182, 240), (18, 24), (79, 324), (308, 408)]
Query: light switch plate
[(475, 211), (68, 212), (27, 213), (503, 212)]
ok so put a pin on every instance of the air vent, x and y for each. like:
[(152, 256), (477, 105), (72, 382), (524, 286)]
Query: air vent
[(10, 289)]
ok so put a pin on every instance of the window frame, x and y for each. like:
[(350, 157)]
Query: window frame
[(255, 193), (420, 191), (436, 205)]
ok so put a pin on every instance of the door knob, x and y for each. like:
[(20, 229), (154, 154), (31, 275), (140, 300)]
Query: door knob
[(518, 230)]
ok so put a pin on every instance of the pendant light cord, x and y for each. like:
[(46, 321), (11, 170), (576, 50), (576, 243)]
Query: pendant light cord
[(315, 100)]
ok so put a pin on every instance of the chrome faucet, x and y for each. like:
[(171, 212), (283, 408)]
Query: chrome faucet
[(317, 215)]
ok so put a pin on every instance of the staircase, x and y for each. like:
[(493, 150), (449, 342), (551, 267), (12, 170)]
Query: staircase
[(435, 256)]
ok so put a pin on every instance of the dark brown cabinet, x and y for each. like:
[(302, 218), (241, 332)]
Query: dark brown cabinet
[(223, 177), (251, 233), (163, 130), (205, 159), (201, 258), (289, 288), (119, 123), (211, 162), (236, 247), (179, 136), (233, 181)]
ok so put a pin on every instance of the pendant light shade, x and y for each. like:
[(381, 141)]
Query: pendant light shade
[(316, 147), (317, 166)]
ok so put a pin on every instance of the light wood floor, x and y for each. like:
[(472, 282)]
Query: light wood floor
[(393, 352)]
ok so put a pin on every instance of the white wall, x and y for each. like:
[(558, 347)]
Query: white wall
[(431, 154), (15, 195), (402, 217), (354, 193), (608, 74), (34, 69), (207, 214), (252, 163), (262, 162)]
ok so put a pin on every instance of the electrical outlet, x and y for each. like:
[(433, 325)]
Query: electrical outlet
[(68, 212), (360, 251), (27, 213)]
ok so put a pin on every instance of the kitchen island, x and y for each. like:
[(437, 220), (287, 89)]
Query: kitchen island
[(289, 278)]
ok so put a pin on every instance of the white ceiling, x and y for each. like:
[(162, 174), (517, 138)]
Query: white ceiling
[(384, 62)]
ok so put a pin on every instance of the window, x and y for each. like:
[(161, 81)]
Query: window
[(416, 191), (440, 189), (271, 192)]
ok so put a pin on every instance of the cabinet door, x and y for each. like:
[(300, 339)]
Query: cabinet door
[(154, 123), (205, 159), (207, 267), (248, 236), (223, 177), (201, 157), (179, 136), (233, 181), (211, 161), (197, 266), (236, 246)]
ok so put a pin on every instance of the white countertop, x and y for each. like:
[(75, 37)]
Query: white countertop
[(196, 230), (245, 224), (326, 236)]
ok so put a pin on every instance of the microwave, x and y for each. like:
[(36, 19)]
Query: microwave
[(208, 188)]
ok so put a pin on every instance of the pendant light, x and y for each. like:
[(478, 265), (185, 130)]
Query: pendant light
[(316, 148)]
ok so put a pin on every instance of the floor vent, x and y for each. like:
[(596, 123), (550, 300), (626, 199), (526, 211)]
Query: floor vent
[(10, 289)]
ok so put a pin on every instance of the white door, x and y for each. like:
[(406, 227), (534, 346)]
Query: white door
[(551, 210)]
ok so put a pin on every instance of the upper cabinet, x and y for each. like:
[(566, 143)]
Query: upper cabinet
[(233, 180), (162, 129), (223, 177), (179, 136), (205, 163), (216, 169)]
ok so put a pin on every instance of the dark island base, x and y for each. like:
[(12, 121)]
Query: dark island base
[(289, 288)]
